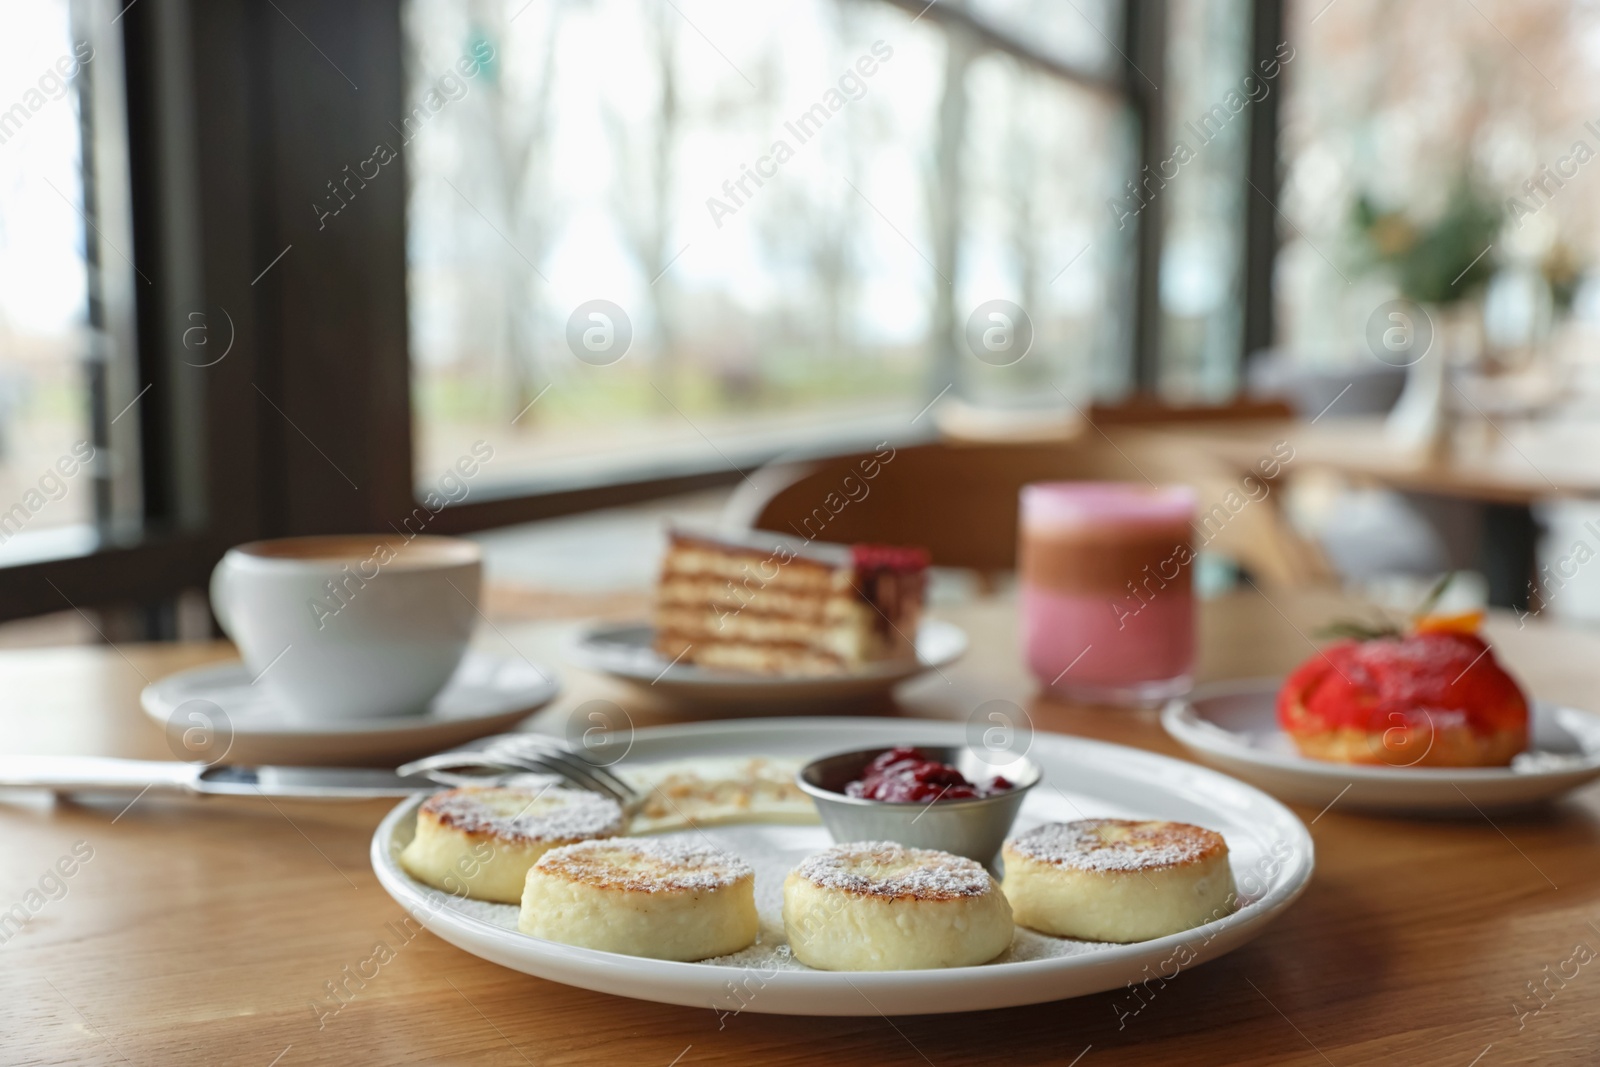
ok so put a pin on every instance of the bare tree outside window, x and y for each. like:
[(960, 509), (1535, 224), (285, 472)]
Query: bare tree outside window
[(793, 212)]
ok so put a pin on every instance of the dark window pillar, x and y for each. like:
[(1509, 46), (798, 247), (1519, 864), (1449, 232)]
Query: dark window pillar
[(1144, 35)]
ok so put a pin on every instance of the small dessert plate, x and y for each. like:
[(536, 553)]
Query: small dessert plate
[(487, 694), (1234, 726), (623, 651)]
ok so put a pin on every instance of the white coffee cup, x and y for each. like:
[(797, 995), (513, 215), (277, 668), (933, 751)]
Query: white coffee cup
[(353, 626)]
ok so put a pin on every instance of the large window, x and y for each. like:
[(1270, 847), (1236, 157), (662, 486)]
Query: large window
[(45, 338), (641, 246), (1213, 85), (645, 237)]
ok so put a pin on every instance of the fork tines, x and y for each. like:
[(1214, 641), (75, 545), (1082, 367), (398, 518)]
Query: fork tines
[(522, 753)]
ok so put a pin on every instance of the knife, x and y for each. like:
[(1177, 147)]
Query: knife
[(101, 774)]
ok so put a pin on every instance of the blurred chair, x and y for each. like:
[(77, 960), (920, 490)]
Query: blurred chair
[(959, 500)]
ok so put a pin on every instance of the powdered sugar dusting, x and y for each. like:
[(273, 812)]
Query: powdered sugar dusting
[(533, 815), (774, 851), (1117, 844), (646, 865), (885, 869)]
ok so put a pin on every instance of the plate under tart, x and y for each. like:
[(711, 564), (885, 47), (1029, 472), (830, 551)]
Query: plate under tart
[(489, 693), (625, 651), (1233, 726), (1271, 854)]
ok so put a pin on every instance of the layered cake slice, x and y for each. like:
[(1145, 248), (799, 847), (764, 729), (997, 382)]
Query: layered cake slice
[(771, 605)]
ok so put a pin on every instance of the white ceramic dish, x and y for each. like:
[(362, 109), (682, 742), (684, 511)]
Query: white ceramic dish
[(487, 694), (1234, 727), (1271, 854), (622, 650)]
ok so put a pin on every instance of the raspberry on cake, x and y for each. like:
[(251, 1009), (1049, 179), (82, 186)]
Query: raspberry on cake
[(1435, 697), (770, 605)]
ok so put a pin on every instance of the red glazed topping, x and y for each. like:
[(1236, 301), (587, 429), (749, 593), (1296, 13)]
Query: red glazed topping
[(1442, 675), (905, 774), (889, 558)]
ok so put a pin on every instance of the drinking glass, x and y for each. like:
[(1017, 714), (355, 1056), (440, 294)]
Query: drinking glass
[(1107, 590)]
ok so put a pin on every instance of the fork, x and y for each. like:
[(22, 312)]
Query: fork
[(506, 754)]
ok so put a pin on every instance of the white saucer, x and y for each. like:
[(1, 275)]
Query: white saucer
[(1234, 726), (623, 650), (487, 694), (1269, 849)]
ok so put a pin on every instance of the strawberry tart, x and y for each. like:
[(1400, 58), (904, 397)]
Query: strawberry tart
[(1433, 697)]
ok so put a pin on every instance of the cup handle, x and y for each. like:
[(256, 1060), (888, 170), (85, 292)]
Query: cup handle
[(219, 593)]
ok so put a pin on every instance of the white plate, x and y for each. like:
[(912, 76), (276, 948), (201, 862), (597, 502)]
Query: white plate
[(487, 694), (1234, 726), (1270, 850), (623, 650)]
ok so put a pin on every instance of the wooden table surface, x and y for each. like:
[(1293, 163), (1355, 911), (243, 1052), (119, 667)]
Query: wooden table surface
[(1498, 462), (204, 932)]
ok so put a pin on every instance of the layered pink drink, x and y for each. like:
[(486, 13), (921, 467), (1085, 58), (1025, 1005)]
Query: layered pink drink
[(1107, 590)]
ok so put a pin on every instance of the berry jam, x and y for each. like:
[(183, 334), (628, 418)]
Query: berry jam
[(905, 774)]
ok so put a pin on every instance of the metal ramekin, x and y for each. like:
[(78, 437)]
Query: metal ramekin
[(975, 828)]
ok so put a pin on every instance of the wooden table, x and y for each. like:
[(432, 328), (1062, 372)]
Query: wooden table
[(1489, 461), (205, 933), (1502, 466)]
